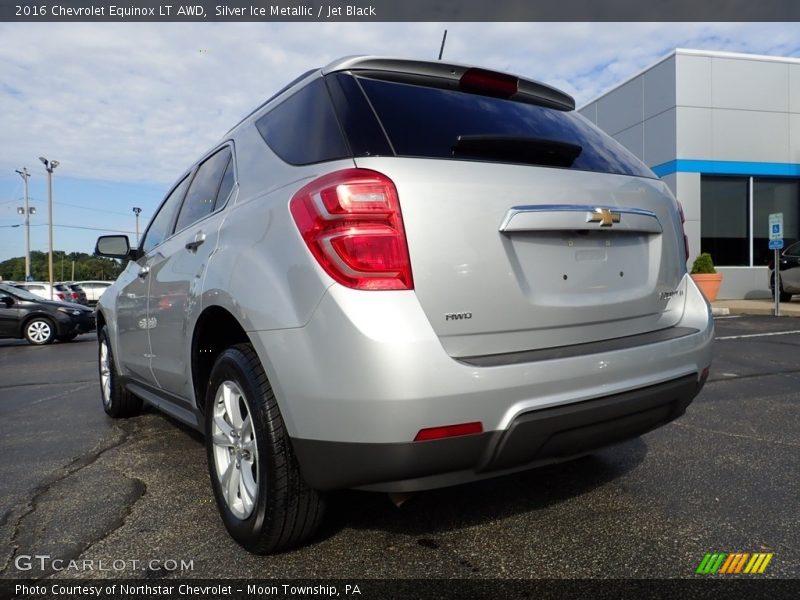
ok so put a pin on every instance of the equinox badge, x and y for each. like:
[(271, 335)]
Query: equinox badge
[(604, 216)]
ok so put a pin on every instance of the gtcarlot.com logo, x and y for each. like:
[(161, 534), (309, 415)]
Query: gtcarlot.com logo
[(44, 562), (721, 563)]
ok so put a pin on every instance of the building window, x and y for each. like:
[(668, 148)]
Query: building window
[(774, 196), (734, 221), (724, 219)]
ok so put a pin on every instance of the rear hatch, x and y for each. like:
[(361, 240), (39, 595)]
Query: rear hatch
[(527, 228)]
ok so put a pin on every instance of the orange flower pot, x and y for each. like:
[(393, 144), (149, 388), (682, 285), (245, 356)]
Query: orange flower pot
[(709, 284)]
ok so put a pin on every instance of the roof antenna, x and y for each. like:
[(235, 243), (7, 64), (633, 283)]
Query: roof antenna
[(444, 38)]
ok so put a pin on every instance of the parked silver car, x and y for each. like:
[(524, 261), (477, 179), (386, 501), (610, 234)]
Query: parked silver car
[(399, 275)]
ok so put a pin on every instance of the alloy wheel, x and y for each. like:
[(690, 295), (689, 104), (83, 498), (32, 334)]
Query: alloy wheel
[(235, 449)]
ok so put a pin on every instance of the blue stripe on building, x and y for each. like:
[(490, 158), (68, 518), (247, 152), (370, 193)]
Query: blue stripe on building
[(727, 167)]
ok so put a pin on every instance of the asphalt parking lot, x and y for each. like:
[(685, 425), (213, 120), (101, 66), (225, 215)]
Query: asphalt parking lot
[(723, 478)]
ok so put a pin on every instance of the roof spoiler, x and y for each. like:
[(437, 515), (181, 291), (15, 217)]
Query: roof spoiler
[(456, 77)]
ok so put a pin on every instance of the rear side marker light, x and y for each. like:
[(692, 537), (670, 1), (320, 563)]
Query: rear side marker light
[(488, 83), (448, 431), (351, 222)]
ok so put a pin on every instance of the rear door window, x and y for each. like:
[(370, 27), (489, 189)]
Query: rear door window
[(202, 195), (428, 122)]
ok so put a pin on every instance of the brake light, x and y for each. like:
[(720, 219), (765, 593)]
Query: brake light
[(488, 83), (437, 433), (683, 229), (60, 296), (75, 296), (351, 222)]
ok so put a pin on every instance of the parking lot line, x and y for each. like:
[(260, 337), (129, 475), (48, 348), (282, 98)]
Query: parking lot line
[(753, 335)]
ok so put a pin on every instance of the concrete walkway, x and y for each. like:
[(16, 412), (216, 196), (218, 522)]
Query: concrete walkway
[(756, 307)]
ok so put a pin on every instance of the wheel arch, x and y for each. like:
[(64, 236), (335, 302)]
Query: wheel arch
[(215, 330)]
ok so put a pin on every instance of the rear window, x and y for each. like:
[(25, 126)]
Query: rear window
[(427, 122)]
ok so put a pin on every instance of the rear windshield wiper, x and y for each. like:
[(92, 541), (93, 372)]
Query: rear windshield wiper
[(520, 149)]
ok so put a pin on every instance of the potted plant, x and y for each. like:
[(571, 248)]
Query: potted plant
[(706, 276)]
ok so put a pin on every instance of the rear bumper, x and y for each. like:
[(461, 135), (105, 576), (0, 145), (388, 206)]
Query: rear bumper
[(533, 439), (358, 382)]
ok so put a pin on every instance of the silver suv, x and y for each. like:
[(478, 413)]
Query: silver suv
[(399, 275)]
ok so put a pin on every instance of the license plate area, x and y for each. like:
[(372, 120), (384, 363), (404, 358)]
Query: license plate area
[(582, 268)]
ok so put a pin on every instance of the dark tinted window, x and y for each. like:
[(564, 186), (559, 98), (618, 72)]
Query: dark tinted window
[(202, 194), (793, 250), (427, 122), (226, 186), (725, 220), (303, 129), (160, 226)]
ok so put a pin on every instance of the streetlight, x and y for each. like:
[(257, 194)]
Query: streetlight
[(27, 211), (50, 166), (136, 211)]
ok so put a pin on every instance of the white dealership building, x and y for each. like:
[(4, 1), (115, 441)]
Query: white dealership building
[(723, 131)]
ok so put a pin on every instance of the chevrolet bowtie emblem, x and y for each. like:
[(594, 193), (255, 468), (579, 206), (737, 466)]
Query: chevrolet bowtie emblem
[(604, 216)]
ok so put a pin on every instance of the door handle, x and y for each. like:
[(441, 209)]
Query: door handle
[(143, 272), (198, 240)]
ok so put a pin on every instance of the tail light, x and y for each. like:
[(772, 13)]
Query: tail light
[(351, 222), (61, 296), (683, 229), (76, 296)]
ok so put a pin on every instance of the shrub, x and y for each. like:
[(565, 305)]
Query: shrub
[(703, 264)]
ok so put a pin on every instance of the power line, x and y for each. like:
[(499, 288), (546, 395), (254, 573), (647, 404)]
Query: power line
[(78, 227), (113, 212)]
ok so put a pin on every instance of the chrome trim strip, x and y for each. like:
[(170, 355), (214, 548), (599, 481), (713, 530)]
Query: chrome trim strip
[(579, 208)]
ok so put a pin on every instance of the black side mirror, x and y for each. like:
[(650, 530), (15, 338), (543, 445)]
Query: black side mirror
[(8, 301), (113, 246)]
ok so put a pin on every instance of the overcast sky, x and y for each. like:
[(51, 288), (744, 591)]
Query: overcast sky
[(125, 108)]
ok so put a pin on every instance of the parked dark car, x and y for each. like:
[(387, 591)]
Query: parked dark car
[(26, 315), (790, 273)]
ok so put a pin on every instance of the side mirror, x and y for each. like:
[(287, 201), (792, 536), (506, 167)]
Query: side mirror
[(113, 246), (8, 301)]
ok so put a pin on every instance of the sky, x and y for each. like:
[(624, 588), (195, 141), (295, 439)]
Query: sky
[(126, 107)]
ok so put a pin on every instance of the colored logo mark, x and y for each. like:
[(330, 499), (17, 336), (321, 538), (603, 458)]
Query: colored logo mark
[(734, 563)]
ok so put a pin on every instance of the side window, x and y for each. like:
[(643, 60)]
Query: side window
[(202, 194), (226, 186), (159, 227), (303, 129), (793, 250)]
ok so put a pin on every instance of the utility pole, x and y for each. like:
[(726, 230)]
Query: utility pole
[(27, 211), (50, 166), (136, 211)]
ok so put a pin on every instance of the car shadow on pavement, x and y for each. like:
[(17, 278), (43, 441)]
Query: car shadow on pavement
[(463, 506)]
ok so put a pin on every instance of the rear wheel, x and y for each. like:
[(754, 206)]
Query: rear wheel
[(40, 331), (263, 500), (117, 401)]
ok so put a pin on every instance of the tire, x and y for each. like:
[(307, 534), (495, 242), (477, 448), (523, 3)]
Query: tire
[(40, 331), (67, 338), (269, 506), (117, 401)]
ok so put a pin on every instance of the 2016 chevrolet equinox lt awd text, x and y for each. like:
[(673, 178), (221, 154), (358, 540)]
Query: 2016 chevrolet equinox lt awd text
[(399, 275)]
